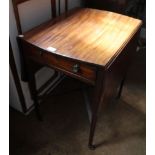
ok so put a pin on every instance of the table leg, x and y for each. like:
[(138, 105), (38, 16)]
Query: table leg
[(121, 87), (33, 91), (92, 129), (98, 94)]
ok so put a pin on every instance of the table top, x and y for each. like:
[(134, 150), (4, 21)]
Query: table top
[(89, 35)]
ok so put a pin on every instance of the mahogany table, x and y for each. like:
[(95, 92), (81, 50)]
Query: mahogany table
[(91, 45)]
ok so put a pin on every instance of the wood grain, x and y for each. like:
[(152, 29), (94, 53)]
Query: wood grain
[(88, 35)]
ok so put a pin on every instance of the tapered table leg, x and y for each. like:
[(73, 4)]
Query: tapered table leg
[(33, 91), (121, 87), (98, 94), (92, 131)]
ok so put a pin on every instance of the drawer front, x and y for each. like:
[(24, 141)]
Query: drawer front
[(70, 66), (77, 68)]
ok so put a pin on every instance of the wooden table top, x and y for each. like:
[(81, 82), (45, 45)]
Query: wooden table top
[(88, 35)]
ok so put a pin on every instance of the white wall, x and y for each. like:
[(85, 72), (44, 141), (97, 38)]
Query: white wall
[(38, 12), (13, 96)]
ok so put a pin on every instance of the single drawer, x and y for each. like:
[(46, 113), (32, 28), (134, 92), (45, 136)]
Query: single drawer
[(78, 68)]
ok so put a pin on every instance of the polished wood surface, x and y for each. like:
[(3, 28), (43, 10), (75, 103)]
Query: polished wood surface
[(88, 35)]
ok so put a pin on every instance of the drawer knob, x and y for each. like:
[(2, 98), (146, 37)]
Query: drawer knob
[(76, 68)]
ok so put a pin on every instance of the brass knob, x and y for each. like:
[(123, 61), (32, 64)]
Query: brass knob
[(76, 68)]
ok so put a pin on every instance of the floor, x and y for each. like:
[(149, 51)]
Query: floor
[(64, 131)]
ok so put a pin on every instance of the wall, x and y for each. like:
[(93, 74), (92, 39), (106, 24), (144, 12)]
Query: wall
[(13, 96), (38, 12)]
